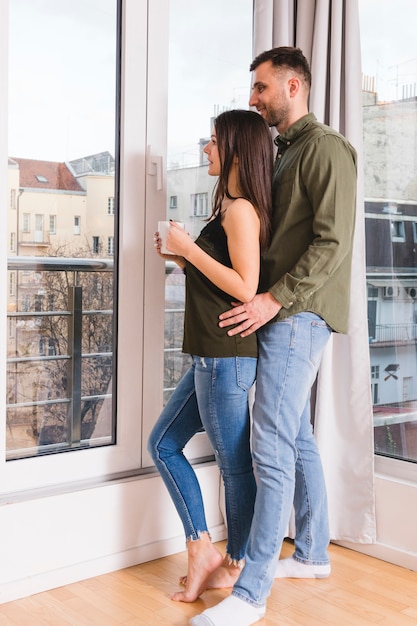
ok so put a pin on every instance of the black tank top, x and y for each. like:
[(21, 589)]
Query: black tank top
[(204, 302)]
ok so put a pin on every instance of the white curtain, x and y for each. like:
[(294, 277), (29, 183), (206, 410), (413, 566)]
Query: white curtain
[(327, 31)]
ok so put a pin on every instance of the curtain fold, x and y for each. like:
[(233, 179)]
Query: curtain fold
[(327, 31)]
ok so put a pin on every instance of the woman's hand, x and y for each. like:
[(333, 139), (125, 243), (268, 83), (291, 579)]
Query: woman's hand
[(178, 240), (157, 242)]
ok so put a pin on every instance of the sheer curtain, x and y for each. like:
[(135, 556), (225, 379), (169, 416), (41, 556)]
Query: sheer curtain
[(327, 31)]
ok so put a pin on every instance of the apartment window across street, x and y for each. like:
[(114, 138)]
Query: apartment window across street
[(26, 223), (110, 246), (397, 231), (52, 224), (199, 202), (110, 206), (96, 245), (12, 284)]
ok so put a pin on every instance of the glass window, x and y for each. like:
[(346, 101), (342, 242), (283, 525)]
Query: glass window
[(62, 154), (77, 225), (52, 224), (221, 81), (199, 204), (110, 246), (397, 231), (26, 223), (389, 63)]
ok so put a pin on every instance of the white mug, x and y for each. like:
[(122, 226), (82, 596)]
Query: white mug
[(163, 229)]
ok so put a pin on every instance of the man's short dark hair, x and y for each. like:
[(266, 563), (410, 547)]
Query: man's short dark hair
[(286, 57)]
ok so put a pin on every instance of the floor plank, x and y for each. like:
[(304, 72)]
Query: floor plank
[(361, 591)]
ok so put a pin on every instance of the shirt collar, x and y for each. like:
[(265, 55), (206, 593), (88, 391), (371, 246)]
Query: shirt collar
[(290, 135)]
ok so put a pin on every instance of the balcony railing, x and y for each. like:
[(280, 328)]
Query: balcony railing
[(27, 317), (394, 334), (46, 356)]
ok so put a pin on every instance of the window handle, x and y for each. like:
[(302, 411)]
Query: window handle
[(155, 167)]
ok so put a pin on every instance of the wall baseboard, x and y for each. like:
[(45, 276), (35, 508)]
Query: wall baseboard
[(17, 589), (390, 554)]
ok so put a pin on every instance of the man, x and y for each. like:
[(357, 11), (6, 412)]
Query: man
[(303, 297)]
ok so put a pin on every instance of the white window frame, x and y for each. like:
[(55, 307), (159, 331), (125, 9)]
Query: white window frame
[(137, 258), (199, 204)]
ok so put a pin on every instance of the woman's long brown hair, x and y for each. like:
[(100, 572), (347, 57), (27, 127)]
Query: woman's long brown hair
[(245, 134)]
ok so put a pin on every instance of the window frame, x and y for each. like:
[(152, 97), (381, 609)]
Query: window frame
[(60, 472)]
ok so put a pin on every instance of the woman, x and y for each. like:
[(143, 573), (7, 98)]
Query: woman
[(221, 266)]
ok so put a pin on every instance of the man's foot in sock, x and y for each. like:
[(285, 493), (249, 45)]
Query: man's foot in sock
[(291, 568), (230, 612)]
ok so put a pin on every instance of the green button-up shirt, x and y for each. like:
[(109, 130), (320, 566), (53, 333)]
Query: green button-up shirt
[(308, 264)]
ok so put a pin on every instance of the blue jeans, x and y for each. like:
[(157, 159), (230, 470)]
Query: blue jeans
[(286, 459), (213, 395)]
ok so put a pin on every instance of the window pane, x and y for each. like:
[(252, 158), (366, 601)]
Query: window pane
[(206, 76), (62, 154), (390, 145)]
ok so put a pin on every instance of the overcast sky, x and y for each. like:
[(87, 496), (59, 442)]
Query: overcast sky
[(389, 44), (63, 65)]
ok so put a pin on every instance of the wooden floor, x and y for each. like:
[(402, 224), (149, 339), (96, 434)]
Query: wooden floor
[(360, 591)]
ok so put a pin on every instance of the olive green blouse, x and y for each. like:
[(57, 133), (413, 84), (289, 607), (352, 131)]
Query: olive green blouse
[(308, 264)]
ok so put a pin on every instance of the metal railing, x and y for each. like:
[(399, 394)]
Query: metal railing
[(394, 333), (28, 319), (71, 395)]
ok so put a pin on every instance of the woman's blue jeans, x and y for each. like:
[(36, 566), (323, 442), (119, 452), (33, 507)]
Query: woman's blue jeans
[(286, 459), (213, 395)]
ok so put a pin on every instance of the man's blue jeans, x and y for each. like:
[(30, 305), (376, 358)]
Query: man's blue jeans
[(213, 394), (286, 459)]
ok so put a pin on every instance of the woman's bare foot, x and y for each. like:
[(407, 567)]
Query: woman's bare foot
[(223, 576), (203, 560)]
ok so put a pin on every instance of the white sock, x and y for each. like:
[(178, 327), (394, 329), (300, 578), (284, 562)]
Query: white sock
[(291, 568), (229, 612)]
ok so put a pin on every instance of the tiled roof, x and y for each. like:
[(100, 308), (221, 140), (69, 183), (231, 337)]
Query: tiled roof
[(46, 175)]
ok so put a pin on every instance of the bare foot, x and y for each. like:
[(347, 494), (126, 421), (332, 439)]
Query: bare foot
[(223, 576), (203, 560)]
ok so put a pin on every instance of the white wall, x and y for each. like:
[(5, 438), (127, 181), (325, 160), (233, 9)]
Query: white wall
[(396, 506), (56, 539)]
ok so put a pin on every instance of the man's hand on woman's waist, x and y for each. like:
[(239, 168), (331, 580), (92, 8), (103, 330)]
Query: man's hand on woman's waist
[(251, 315)]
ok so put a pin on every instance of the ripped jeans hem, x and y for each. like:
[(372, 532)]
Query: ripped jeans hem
[(239, 563), (199, 534)]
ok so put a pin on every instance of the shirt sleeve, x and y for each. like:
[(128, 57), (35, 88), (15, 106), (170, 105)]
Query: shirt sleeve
[(328, 179)]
